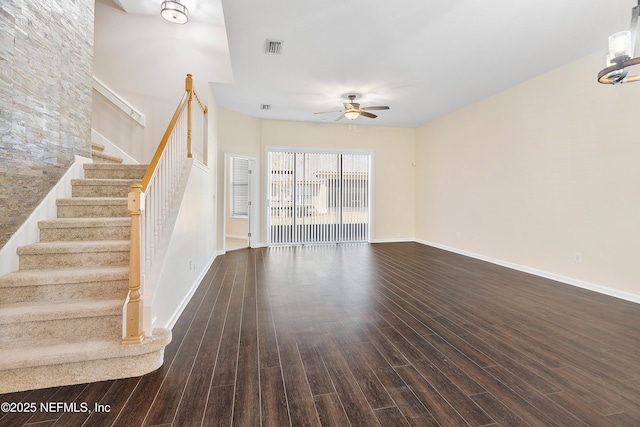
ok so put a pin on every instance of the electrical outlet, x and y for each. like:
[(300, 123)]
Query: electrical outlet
[(578, 257)]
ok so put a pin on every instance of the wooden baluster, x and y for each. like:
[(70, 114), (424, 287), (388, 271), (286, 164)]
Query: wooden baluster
[(134, 328), (163, 186)]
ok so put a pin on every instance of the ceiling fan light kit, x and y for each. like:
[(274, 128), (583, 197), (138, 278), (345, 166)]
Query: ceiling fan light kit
[(352, 115), (174, 11), (620, 56), (353, 110)]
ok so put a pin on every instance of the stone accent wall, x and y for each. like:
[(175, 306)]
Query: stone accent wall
[(46, 63)]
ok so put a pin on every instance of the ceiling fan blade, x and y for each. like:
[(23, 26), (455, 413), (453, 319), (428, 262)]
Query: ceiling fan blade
[(371, 116), (376, 107), (340, 117), (325, 112)]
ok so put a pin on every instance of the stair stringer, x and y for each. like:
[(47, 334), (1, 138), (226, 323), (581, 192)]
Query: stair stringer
[(46, 210)]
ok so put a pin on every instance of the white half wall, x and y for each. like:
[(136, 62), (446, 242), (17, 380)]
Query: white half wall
[(190, 251)]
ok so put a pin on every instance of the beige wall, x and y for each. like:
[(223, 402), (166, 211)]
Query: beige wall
[(393, 155), (393, 172), (537, 173), (237, 134)]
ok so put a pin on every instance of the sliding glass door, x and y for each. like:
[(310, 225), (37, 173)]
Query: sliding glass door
[(317, 197)]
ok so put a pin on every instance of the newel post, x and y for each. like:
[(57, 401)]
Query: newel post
[(134, 330), (189, 88)]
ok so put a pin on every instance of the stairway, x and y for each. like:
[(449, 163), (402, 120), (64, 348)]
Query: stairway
[(61, 312)]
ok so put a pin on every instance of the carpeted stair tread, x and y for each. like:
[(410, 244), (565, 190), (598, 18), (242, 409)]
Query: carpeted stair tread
[(79, 201), (73, 254), (140, 166), (85, 229), (104, 181), (114, 170), (64, 284), (97, 147), (102, 187), (92, 207), (61, 351), (55, 276), (85, 222), (48, 352), (70, 247), (100, 157), (44, 311)]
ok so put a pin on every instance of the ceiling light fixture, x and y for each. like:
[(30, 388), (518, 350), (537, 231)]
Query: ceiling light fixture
[(352, 114), (174, 11), (620, 56)]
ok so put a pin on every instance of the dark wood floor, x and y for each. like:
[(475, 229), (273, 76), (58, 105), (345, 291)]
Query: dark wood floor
[(390, 334)]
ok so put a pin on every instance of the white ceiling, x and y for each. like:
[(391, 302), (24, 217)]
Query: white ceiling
[(423, 58)]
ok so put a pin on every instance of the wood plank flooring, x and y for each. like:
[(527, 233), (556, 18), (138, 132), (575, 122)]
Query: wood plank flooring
[(394, 334)]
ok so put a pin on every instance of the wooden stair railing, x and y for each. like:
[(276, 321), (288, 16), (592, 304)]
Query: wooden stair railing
[(149, 204)]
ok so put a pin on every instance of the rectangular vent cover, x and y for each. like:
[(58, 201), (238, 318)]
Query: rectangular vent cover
[(273, 47)]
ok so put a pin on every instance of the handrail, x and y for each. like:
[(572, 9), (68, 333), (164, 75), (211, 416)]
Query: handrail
[(204, 107), (149, 203), (121, 103)]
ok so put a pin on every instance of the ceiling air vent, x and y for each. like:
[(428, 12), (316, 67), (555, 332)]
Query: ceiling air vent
[(265, 106), (273, 47)]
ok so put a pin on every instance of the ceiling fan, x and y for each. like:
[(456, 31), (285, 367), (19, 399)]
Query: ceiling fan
[(352, 110)]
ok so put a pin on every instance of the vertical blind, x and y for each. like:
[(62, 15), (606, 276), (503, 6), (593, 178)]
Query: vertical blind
[(239, 187), (317, 197)]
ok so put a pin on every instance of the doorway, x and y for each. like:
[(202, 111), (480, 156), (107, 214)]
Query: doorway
[(239, 185)]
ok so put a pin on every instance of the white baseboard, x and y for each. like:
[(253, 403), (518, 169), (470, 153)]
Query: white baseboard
[(396, 240), (28, 232), (541, 273), (232, 236)]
